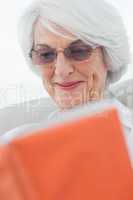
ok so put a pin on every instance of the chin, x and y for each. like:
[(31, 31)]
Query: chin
[(66, 104), (70, 99)]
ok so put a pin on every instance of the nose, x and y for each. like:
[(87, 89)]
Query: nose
[(63, 67)]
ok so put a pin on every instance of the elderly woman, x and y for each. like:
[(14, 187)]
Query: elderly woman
[(78, 48)]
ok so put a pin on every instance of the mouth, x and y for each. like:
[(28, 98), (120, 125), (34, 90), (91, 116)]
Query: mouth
[(69, 85)]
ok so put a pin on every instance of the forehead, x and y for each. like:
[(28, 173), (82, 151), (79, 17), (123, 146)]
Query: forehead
[(44, 36)]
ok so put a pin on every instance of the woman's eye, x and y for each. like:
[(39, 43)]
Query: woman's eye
[(47, 55), (79, 51)]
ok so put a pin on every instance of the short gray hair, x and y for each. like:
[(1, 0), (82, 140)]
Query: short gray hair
[(94, 21)]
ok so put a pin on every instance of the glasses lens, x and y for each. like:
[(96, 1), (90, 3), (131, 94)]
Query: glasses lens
[(41, 57), (80, 53)]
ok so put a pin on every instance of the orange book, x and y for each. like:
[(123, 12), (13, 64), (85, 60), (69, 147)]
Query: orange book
[(85, 159)]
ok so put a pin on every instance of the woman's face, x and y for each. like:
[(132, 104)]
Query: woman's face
[(67, 81)]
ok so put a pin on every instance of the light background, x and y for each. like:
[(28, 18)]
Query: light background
[(14, 73)]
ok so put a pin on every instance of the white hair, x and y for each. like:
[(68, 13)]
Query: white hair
[(95, 21)]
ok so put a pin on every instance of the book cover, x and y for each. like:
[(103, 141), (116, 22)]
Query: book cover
[(83, 159)]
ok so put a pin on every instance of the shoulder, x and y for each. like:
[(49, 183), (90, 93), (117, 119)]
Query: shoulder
[(28, 128), (18, 132), (123, 92), (123, 95)]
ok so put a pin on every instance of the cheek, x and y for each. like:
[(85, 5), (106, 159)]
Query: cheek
[(86, 70), (95, 72), (47, 74), (100, 74), (99, 77)]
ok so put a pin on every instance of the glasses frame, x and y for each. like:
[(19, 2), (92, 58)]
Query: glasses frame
[(66, 53)]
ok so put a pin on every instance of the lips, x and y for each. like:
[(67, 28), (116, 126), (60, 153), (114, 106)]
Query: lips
[(69, 85)]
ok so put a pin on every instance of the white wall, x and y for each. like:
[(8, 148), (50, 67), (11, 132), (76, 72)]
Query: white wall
[(125, 8), (17, 82), (13, 69)]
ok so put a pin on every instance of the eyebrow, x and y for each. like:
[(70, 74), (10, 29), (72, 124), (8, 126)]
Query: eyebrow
[(47, 46)]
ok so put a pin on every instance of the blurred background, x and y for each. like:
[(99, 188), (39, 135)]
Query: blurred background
[(17, 82)]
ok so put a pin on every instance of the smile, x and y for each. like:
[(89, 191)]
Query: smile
[(69, 85)]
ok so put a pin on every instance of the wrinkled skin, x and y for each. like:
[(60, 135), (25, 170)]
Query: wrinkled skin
[(92, 71)]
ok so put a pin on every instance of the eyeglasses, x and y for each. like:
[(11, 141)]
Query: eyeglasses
[(47, 56)]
